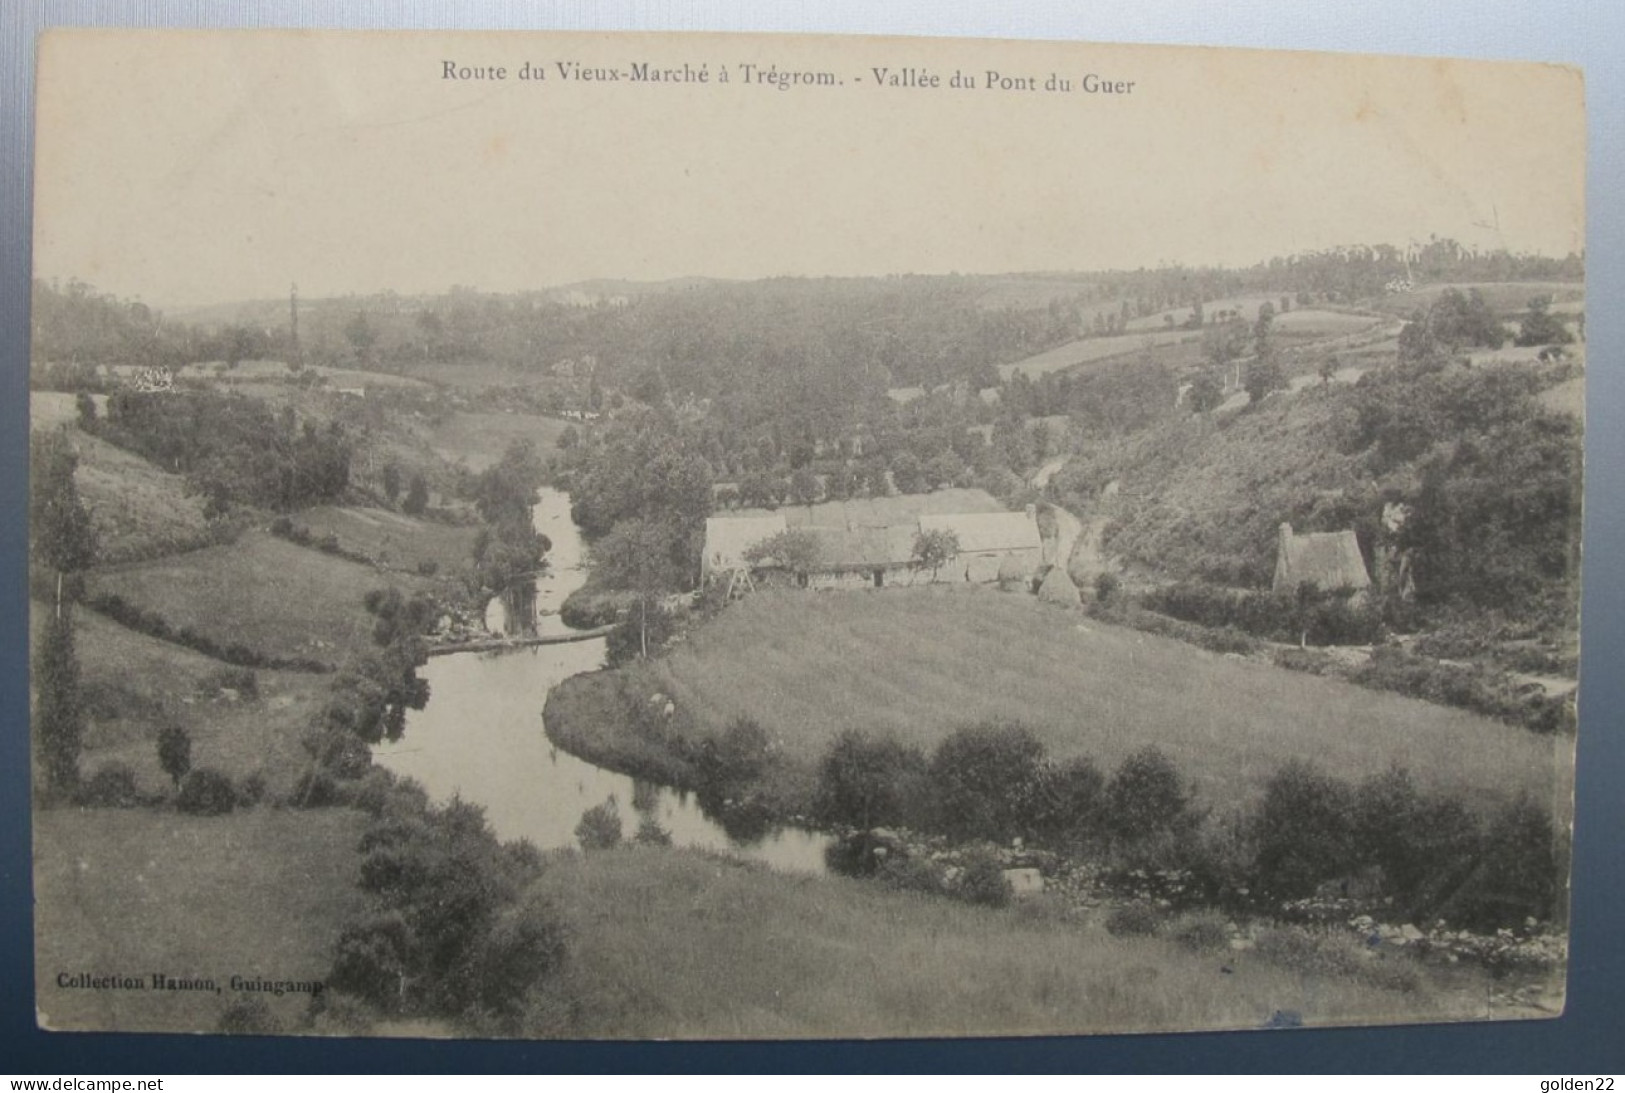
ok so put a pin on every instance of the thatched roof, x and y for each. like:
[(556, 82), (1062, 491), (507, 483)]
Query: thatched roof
[(863, 548), (1327, 560), (728, 537), (987, 531), (1058, 588)]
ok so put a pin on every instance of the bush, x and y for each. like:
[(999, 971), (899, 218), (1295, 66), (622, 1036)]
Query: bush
[(251, 790), (370, 961), (206, 792), (650, 833), (865, 782), (1202, 932), (1107, 586), (339, 752), (1519, 874), (983, 779), (249, 1016), (1069, 803), (371, 793), (428, 567), (1424, 847), (726, 765), (1135, 920), (315, 789), (982, 880), (600, 827), (1147, 798), (525, 946), (1305, 832), (174, 752), (911, 874), (112, 786)]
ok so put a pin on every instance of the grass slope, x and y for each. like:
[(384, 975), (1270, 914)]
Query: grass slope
[(916, 663), (479, 439), (134, 685), (676, 944), (137, 509), (134, 892), (265, 593), (394, 539)]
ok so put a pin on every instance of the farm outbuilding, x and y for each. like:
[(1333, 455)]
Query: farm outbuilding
[(1327, 560), (728, 537), (987, 539)]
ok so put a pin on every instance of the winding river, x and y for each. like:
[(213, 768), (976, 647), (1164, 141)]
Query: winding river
[(481, 735)]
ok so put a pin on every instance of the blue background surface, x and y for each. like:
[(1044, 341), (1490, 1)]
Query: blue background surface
[(1590, 1038)]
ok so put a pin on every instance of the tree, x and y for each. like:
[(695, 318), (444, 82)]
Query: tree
[(392, 482), (637, 555), (1540, 327), (907, 473), (85, 405), (175, 752), (59, 716), (417, 497), (58, 522), (1263, 376), (803, 486), (866, 782), (983, 779), (935, 548), (794, 549), (1207, 392)]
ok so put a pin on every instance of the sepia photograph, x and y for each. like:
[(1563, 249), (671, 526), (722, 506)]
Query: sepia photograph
[(638, 536)]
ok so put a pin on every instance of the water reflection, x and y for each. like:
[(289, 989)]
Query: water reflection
[(481, 736)]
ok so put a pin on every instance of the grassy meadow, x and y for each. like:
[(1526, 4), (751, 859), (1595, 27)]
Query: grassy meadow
[(396, 540), (916, 663), (134, 685), (678, 944), (270, 595), (479, 439), (261, 893)]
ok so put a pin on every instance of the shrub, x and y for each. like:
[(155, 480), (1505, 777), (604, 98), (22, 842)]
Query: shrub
[(206, 792), (428, 567), (1107, 586), (251, 790), (1135, 920), (315, 789), (650, 833), (982, 779), (1312, 951), (249, 1016), (112, 786), (727, 764), (525, 946), (370, 961), (1519, 872), (865, 782), (1202, 932), (982, 880), (339, 752), (1069, 802), (1147, 798), (1424, 847), (174, 752), (600, 827), (910, 874), (371, 793), (1305, 832)]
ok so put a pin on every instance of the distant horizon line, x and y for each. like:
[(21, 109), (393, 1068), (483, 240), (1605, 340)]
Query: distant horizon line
[(566, 286)]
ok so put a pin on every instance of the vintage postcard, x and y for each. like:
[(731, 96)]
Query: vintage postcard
[(701, 536)]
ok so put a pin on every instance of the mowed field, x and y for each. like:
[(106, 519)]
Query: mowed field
[(260, 894), (479, 439), (1090, 350), (916, 663), (265, 593), (677, 944)]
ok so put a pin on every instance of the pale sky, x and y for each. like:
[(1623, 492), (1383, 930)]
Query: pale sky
[(201, 167)]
